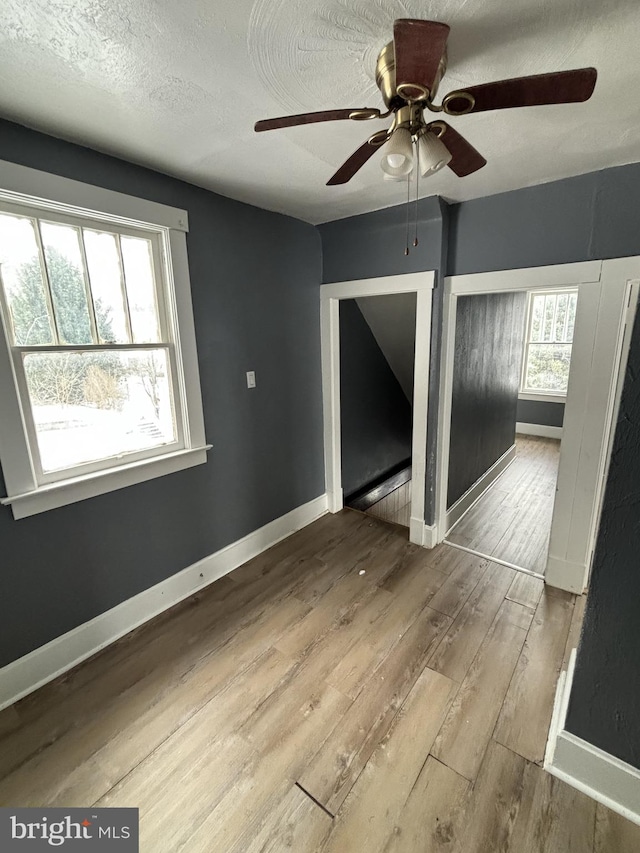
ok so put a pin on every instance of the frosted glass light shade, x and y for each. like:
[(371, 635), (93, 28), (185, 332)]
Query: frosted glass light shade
[(397, 159), (434, 154)]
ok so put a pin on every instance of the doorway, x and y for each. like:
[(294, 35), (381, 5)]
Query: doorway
[(377, 353), (511, 375), (604, 307), (420, 286)]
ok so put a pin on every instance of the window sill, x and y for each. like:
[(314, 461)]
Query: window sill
[(91, 485), (542, 397)]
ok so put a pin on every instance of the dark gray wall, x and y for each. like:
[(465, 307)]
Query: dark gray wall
[(486, 377), (546, 413), (375, 415), (255, 278), (578, 219), (605, 697), (373, 245)]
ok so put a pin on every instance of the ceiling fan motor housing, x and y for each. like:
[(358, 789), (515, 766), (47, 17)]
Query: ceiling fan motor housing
[(386, 79)]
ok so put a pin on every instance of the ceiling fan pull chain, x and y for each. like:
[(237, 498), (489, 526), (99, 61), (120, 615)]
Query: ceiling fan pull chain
[(417, 161), (406, 248)]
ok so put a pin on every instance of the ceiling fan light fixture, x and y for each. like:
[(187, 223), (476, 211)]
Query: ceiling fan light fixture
[(434, 154), (397, 160)]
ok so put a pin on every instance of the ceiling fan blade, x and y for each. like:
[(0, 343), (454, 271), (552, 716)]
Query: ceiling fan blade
[(559, 87), (355, 162), (312, 118), (465, 159), (419, 47)]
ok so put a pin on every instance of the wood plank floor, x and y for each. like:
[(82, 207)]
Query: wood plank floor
[(300, 705), (512, 520)]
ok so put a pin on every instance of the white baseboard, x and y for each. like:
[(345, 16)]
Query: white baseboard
[(26, 674), (596, 773), (422, 534), (539, 429), (473, 494)]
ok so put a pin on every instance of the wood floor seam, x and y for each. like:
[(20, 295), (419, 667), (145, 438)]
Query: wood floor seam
[(314, 801)]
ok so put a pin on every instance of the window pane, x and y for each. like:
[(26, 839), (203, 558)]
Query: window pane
[(99, 405), (138, 272), (561, 314), (549, 306), (105, 275), (548, 367), (536, 318), (23, 281), (571, 310), (66, 277)]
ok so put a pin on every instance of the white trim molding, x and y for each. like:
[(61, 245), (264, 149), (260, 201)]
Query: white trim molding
[(596, 773), (37, 668), (473, 494), (420, 283), (422, 534), (542, 398), (539, 429), (91, 485), (552, 277), (52, 191)]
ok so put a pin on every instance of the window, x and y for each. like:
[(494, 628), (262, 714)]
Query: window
[(93, 310), (547, 357)]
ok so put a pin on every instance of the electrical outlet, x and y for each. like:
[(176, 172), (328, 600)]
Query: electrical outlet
[(251, 379)]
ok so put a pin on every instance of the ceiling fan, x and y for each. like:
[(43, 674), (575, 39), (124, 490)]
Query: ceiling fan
[(408, 72)]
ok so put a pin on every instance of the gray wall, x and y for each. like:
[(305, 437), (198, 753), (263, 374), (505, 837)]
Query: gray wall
[(605, 697), (486, 377), (373, 245), (578, 219), (392, 320), (546, 413), (255, 279), (375, 415)]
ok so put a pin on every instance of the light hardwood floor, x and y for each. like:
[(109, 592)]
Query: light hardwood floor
[(512, 520), (298, 705)]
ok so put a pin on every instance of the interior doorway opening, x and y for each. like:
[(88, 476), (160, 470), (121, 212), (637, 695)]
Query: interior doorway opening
[(337, 364), (606, 299), (377, 354), (511, 372)]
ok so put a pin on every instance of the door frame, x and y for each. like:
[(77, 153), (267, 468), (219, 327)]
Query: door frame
[(600, 349), (422, 284)]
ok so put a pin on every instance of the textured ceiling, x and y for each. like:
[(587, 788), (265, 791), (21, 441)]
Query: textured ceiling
[(178, 84)]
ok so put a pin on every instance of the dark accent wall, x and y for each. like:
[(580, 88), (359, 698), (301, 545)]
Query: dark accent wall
[(255, 279), (375, 414), (372, 245), (605, 697), (486, 377), (543, 412)]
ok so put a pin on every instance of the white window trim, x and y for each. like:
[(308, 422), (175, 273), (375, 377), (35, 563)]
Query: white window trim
[(21, 185), (544, 396)]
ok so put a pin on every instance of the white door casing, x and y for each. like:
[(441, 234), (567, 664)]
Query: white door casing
[(421, 284)]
